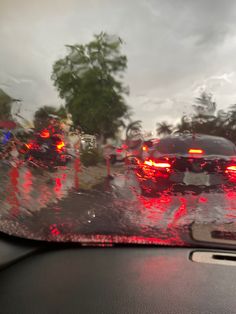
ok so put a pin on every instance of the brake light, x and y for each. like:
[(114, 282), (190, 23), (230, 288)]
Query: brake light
[(162, 165), (145, 148), (60, 145), (45, 134), (231, 172), (29, 146), (119, 150), (231, 169), (195, 151)]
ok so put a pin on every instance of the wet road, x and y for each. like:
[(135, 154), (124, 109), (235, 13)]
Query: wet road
[(59, 206)]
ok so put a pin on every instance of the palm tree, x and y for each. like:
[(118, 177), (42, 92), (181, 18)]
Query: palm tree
[(134, 128), (204, 104), (164, 128)]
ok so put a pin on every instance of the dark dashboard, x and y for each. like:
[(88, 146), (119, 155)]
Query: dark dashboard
[(47, 278)]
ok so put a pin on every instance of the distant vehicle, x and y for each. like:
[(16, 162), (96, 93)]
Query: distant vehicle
[(46, 150), (88, 141), (187, 160), (115, 153)]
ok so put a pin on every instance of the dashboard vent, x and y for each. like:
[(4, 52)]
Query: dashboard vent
[(219, 258)]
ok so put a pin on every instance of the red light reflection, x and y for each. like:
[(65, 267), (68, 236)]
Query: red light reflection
[(202, 200), (45, 134), (13, 188), (60, 145), (77, 170), (54, 230), (27, 184)]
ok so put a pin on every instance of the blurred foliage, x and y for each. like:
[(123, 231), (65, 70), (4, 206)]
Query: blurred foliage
[(164, 128), (204, 104), (206, 120), (90, 157), (5, 105), (42, 115), (88, 79)]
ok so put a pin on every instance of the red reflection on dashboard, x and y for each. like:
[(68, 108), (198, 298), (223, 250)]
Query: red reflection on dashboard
[(54, 230), (100, 238)]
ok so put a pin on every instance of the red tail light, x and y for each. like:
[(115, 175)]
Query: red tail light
[(119, 150), (160, 164), (195, 151), (45, 134), (231, 169), (60, 145), (145, 148), (29, 145), (231, 172)]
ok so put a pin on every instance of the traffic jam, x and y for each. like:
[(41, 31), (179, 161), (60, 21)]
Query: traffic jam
[(54, 181)]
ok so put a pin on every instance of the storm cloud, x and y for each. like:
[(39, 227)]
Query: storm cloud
[(174, 49)]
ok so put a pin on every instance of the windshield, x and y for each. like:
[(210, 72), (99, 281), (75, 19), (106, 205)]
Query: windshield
[(118, 122)]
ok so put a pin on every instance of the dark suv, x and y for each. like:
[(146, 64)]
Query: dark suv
[(187, 161)]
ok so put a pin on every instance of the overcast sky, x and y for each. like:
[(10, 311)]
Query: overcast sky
[(174, 48)]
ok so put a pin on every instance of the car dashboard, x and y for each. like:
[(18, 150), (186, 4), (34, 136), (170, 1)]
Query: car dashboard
[(51, 278)]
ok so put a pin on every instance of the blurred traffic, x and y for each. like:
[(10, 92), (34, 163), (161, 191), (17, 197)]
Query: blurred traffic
[(60, 183)]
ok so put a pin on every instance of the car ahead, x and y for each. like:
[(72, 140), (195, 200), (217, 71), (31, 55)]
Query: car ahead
[(193, 161), (114, 153)]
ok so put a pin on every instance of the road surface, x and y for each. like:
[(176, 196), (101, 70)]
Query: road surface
[(74, 204)]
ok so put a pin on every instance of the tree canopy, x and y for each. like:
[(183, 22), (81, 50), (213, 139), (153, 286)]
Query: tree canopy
[(88, 78), (164, 128), (43, 114), (207, 120), (5, 105)]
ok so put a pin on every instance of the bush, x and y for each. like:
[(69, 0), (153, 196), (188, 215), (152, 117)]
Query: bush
[(90, 157)]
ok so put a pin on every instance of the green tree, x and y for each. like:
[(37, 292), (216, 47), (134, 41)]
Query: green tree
[(43, 114), (89, 80), (185, 125), (203, 120), (5, 105), (228, 123)]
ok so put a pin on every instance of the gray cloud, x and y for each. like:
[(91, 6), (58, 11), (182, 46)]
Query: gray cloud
[(173, 48)]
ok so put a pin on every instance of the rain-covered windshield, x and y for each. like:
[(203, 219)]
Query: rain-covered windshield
[(118, 121)]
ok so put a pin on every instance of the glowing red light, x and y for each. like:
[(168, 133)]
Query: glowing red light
[(145, 148), (60, 145), (29, 146), (54, 230), (202, 200), (152, 163), (231, 172), (195, 151), (231, 168), (45, 134), (119, 150)]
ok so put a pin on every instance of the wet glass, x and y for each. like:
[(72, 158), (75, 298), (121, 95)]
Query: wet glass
[(113, 138)]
